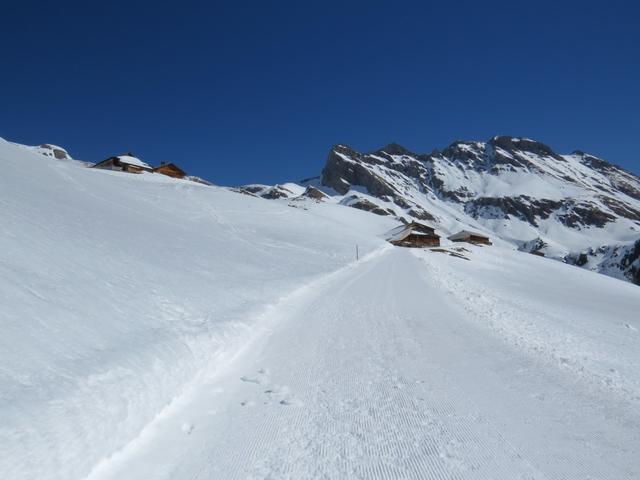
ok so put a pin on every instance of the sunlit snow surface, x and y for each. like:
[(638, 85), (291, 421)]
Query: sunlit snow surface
[(157, 328), (116, 289)]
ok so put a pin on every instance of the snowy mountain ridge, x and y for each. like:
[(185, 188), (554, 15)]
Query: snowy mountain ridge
[(516, 189)]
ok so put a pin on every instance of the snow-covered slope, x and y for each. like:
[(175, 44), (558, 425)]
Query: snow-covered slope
[(161, 328), (117, 289), (514, 188), (419, 365)]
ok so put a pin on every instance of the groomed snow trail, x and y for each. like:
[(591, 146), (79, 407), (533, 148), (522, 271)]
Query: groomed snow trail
[(379, 374)]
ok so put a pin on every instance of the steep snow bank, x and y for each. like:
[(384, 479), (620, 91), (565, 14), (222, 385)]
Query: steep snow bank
[(117, 289)]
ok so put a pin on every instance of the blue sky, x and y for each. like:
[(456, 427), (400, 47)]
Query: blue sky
[(243, 92)]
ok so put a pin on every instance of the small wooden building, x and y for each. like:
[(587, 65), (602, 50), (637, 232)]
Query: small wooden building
[(124, 163), (470, 237), (171, 170), (414, 235)]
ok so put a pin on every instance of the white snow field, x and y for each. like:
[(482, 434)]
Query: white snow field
[(160, 329), (117, 290), (383, 371)]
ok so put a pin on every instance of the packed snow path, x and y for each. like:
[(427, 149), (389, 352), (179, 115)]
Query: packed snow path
[(378, 373)]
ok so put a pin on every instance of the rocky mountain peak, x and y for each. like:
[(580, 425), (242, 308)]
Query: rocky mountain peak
[(395, 149), (521, 143), (514, 144), (513, 188), (344, 149), (465, 152), (519, 188)]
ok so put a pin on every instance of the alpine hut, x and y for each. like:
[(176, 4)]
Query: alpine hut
[(124, 163), (470, 237), (171, 170), (415, 235)]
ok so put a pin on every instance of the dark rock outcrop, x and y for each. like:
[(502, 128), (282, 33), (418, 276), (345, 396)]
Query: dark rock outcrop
[(341, 172), (366, 205), (277, 192), (313, 192), (54, 151)]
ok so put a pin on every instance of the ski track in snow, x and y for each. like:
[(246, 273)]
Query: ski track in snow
[(376, 373)]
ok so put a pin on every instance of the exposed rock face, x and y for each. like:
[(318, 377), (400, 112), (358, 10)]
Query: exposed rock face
[(630, 263), (520, 189), (622, 261), (420, 214), (268, 192), (522, 207), (346, 167), (503, 184), (277, 192), (536, 245), (620, 179), (53, 151), (312, 192), (364, 204), (460, 173), (253, 188)]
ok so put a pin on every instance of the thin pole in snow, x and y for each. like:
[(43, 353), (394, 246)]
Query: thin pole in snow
[(357, 255)]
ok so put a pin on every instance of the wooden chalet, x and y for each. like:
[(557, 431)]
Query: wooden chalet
[(171, 170), (124, 163), (470, 237), (414, 234)]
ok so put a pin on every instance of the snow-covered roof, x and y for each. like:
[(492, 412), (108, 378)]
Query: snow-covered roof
[(397, 233), (466, 234), (403, 231), (129, 160)]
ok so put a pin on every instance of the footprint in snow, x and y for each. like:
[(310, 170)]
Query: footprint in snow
[(260, 378), (283, 396), (294, 402), (631, 327), (274, 393), (277, 390), (187, 428)]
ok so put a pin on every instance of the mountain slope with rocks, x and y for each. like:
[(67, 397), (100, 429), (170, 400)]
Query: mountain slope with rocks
[(516, 189)]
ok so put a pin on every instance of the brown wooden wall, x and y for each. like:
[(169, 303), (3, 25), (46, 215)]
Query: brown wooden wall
[(418, 241), (170, 171), (474, 239), (479, 240)]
